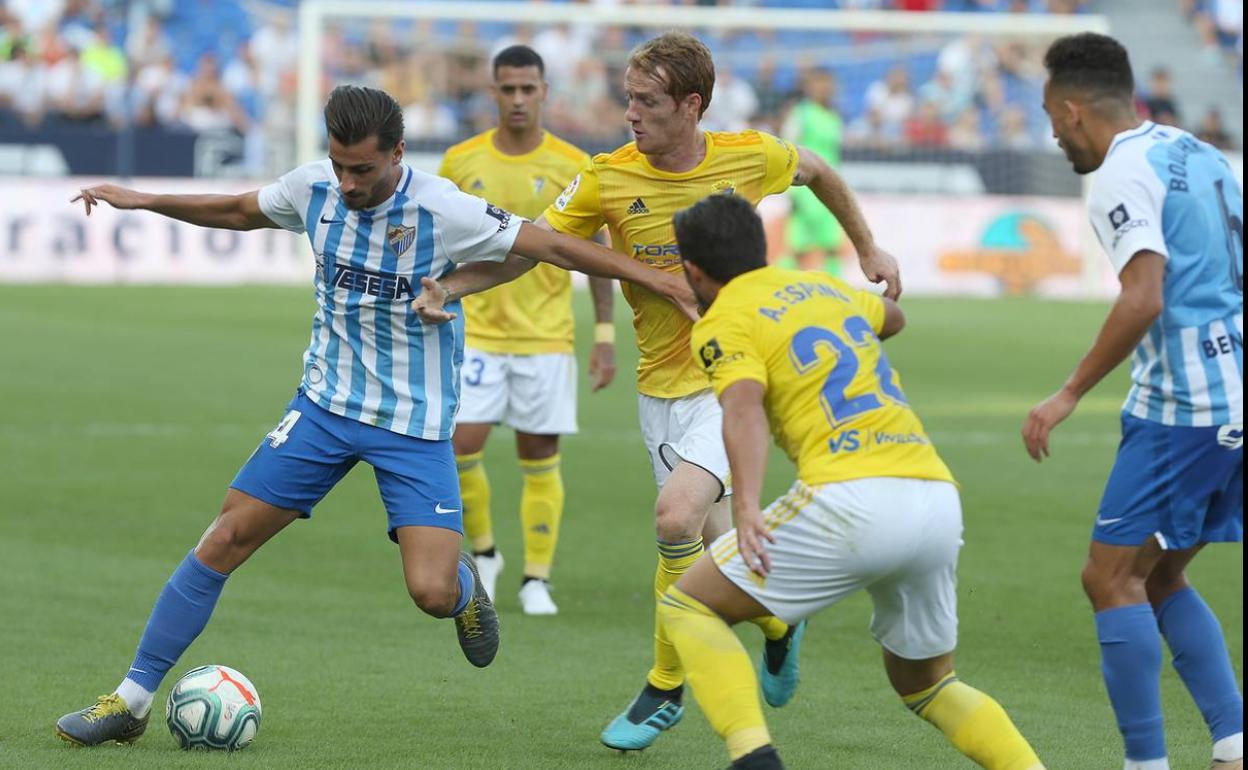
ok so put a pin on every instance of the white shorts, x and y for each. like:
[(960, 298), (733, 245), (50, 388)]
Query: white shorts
[(897, 538), (688, 429), (531, 393)]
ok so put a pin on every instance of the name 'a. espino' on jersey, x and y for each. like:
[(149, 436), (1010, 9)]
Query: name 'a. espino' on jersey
[(1163, 190), (370, 358)]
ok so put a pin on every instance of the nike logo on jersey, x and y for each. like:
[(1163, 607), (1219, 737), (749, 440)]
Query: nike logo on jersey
[(638, 207), (439, 509), (325, 221), (1106, 522)]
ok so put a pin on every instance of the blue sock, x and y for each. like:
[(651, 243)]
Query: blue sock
[(466, 586), (1199, 649), (1131, 665), (181, 612)]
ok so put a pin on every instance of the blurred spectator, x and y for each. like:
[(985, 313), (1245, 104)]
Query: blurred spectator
[(1221, 26), (871, 130), (1160, 100), (925, 128), (157, 92), (966, 134), (206, 104), (427, 118), (733, 103), (74, 92), (1013, 130), (22, 85), (1212, 130), (891, 101)]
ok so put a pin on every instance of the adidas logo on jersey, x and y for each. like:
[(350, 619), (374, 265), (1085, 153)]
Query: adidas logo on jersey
[(638, 207), (477, 185)]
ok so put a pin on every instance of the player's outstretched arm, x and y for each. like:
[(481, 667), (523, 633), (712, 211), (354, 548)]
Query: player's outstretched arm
[(228, 212), (828, 186), (1138, 305), (537, 241), (746, 438)]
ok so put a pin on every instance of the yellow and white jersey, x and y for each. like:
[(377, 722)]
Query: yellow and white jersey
[(636, 202), (532, 314), (834, 403)]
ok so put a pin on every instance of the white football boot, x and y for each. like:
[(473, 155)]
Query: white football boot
[(535, 598), (489, 568)]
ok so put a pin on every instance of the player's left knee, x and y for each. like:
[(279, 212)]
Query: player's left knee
[(434, 597)]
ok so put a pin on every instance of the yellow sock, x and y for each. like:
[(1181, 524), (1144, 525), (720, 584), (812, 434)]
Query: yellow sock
[(773, 628), (541, 509), (975, 724), (674, 559), (474, 492), (720, 672)]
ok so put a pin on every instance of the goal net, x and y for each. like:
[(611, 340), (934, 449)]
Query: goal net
[(935, 119)]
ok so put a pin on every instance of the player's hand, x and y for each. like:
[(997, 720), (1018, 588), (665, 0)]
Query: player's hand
[(1043, 419), (428, 304), (752, 534), (879, 265), (113, 195), (678, 291), (601, 366)]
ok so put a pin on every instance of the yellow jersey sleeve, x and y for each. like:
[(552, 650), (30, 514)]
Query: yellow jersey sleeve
[(725, 347), (444, 169), (869, 306), (781, 164), (578, 209)]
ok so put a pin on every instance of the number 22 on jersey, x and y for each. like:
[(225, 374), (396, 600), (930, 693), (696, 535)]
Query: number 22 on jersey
[(838, 406)]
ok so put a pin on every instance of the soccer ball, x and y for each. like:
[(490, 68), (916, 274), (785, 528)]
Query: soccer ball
[(213, 707)]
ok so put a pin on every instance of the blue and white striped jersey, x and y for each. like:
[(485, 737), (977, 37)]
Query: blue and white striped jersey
[(370, 358), (1161, 189)]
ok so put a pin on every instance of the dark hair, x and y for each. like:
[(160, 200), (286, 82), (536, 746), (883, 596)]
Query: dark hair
[(519, 56), (1094, 64), (723, 235), (354, 113)]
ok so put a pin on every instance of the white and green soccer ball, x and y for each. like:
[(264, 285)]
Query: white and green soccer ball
[(213, 707)]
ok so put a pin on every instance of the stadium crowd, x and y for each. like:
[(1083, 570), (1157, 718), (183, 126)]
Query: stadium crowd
[(192, 65)]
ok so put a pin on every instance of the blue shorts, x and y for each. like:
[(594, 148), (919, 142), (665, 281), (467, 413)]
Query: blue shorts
[(1183, 486), (311, 449)]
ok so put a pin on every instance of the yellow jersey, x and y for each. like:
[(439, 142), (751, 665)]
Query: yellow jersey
[(636, 202), (834, 403), (532, 314)]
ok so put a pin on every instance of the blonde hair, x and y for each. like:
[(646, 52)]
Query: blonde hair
[(685, 63)]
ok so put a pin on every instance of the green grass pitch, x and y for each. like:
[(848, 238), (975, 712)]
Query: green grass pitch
[(126, 412)]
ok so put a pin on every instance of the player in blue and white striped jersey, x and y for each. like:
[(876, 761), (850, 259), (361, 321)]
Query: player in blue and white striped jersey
[(379, 385), (1169, 213)]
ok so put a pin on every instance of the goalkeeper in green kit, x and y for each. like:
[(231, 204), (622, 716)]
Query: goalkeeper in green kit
[(814, 236)]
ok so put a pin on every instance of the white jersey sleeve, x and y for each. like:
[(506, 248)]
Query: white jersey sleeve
[(470, 229), (286, 200), (1125, 206)]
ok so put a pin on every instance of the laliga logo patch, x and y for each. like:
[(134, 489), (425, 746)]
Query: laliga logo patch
[(565, 197), (710, 353), (401, 238), (1231, 436), (1119, 216)]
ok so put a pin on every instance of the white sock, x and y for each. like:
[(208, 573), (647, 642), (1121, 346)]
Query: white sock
[(1229, 748), (1147, 764), (137, 699)]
